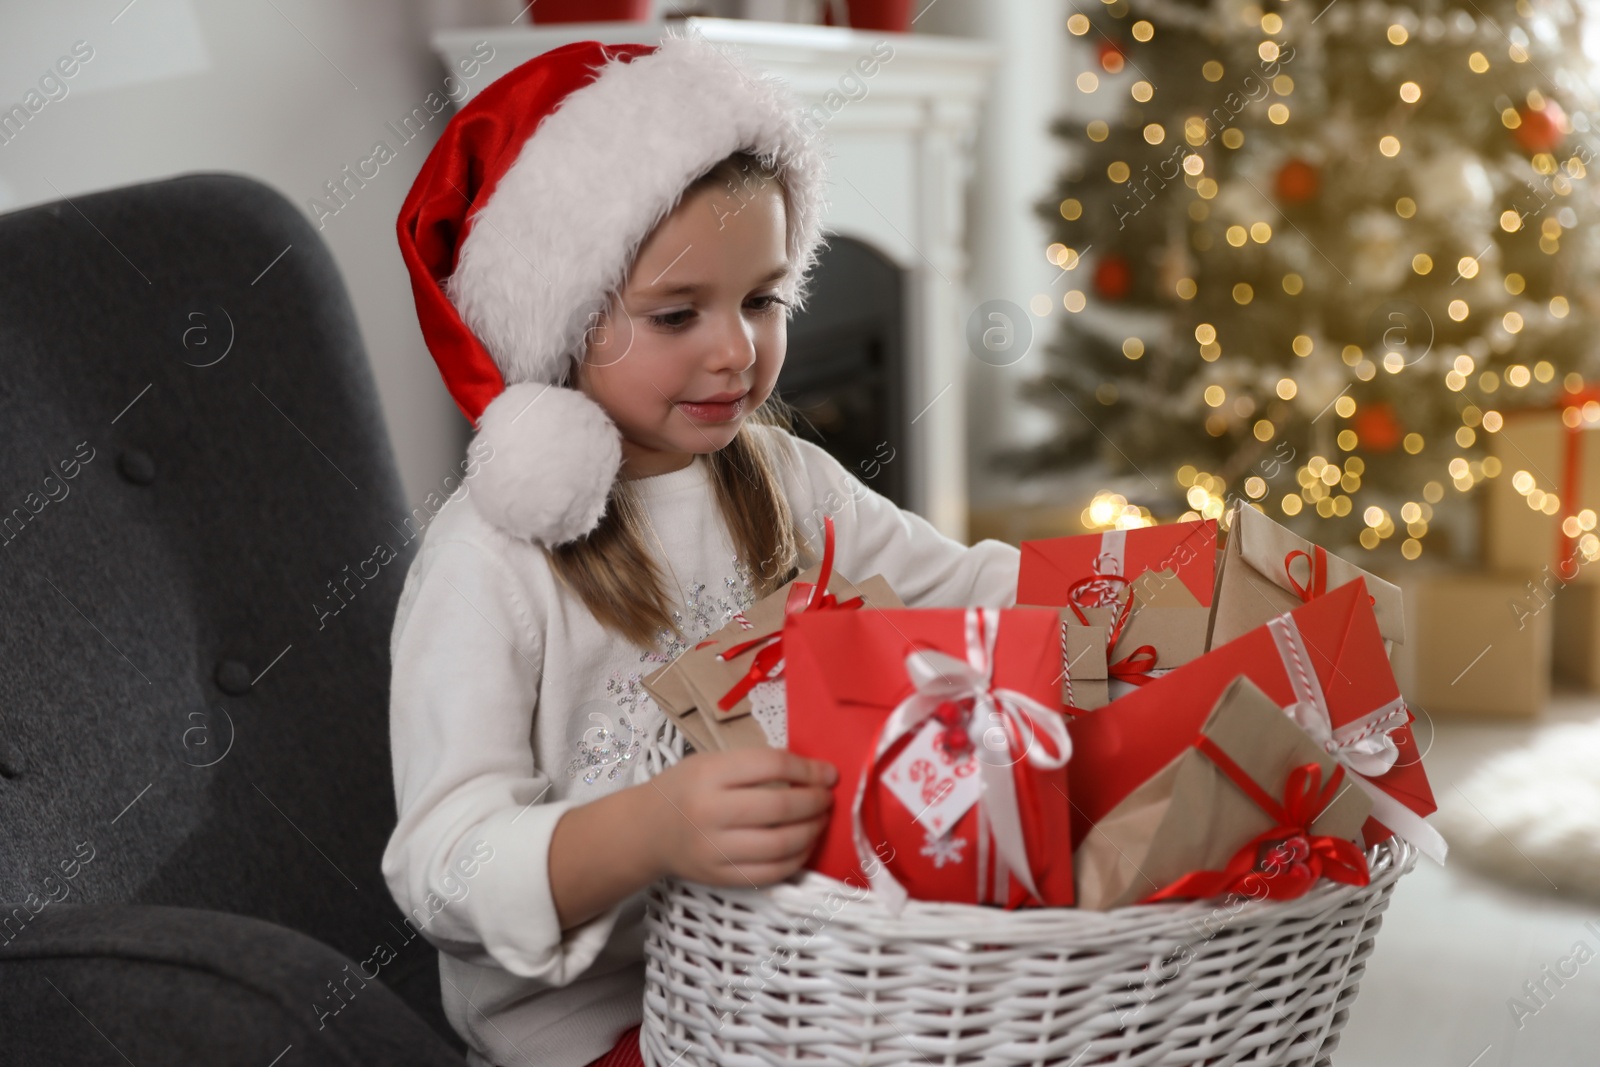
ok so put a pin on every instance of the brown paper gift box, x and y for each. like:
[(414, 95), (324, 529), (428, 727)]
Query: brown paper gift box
[(1084, 678), (1254, 585), (1576, 634), (1519, 538), (689, 687), (708, 678), (1165, 615), (1191, 817), (666, 687), (1515, 536), (1483, 644)]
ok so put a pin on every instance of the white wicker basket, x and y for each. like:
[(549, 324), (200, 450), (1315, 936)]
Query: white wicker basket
[(813, 970)]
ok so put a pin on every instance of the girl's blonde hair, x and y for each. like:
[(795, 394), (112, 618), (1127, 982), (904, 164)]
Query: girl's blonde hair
[(611, 569)]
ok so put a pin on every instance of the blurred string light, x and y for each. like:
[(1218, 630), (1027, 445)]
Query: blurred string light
[(1205, 492), (1546, 501), (1328, 486), (1112, 511)]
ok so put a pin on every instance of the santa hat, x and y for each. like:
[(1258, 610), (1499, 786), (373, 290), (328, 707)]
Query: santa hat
[(530, 210)]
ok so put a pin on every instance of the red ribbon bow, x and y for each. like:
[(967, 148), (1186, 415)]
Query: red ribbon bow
[(1136, 666), (803, 596), (1317, 560), (1284, 862), (1101, 590)]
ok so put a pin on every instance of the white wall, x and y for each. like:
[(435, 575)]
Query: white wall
[(287, 91), (291, 91), (1017, 163)]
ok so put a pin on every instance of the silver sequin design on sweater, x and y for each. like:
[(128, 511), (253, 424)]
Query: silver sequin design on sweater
[(607, 749)]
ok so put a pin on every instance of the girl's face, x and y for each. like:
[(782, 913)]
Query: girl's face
[(696, 338)]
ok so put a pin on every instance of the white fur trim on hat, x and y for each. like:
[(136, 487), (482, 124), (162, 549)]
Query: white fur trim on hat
[(564, 223), (555, 454)]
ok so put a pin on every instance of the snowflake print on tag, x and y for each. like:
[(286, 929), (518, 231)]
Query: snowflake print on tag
[(943, 848), (936, 785)]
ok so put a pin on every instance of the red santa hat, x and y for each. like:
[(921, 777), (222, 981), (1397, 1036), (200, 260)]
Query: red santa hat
[(530, 210)]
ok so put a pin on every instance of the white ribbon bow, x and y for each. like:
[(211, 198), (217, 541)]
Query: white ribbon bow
[(1363, 746), (998, 718)]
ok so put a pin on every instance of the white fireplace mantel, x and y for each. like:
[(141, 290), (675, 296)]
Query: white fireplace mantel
[(900, 144)]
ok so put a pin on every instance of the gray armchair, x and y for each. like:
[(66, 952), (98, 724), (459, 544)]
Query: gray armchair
[(195, 784)]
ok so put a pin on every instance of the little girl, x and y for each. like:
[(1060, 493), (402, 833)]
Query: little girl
[(605, 247)]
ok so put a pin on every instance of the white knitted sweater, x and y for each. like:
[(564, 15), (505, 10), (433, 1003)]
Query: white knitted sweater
[(509, 704)]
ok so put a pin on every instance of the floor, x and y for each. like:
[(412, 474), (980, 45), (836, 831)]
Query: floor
[(1456, 948)]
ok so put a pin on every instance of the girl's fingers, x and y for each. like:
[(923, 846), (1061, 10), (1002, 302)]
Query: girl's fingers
[(755, 765), (754, 808), (758, 875), (759, 806), (771, 844)]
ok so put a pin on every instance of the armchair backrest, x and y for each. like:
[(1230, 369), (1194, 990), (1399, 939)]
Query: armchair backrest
[(202, 539)]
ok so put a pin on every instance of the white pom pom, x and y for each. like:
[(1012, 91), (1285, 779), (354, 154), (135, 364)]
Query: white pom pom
[(553, 457)]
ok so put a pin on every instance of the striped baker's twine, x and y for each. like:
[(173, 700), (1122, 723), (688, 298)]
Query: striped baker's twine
[(1307, 680), (1066, 666), (1402, 712), (1309, 687)]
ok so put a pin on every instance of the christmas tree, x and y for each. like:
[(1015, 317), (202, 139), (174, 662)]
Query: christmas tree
[(1312, 253)]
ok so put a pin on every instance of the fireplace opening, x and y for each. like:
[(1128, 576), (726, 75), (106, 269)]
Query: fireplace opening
[(845, 369)]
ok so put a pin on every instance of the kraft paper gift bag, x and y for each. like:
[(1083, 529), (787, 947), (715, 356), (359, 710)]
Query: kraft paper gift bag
[(1266, 570), (1154, 625), (666, 687), (708, 688), (1192, 817), (721, 672), (1324, 664)]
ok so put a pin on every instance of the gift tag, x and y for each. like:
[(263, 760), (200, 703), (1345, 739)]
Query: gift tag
[(769, 708), (936, 786)]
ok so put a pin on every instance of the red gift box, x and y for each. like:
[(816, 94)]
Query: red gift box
[(1051, 567), (866, 688), (1324, 664)]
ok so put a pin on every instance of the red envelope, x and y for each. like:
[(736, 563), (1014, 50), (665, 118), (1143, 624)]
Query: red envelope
[(1050, 567), (1123, 744), (845, 672)]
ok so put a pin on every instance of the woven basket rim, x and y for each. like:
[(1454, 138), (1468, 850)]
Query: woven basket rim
[(920, 919)]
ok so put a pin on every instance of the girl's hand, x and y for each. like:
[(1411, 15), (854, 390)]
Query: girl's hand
[(717, 823)]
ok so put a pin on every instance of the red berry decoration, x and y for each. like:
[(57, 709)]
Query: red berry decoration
[(1542, 129), (1285, 863), (1113, 278), (1377, 428), (954, 741), (1110, 55), (1298, 181)]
